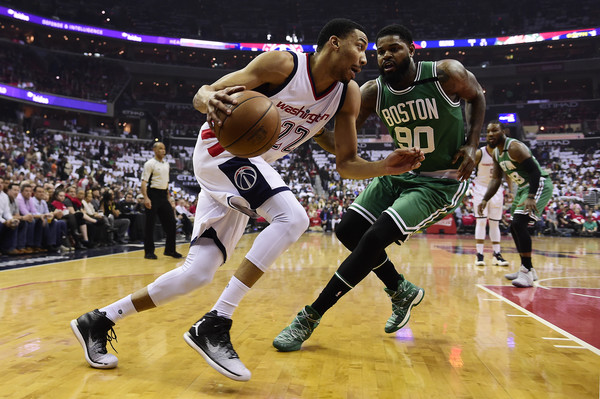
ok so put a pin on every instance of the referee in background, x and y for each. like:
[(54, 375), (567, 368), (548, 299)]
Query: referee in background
[(155, 182)]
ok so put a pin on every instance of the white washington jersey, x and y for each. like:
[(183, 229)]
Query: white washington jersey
[(485, 169), (303, 112)]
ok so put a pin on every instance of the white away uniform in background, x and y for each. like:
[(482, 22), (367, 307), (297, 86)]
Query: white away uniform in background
[(493, 210)]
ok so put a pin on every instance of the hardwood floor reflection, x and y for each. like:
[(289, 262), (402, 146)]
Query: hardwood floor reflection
[(473, 336)]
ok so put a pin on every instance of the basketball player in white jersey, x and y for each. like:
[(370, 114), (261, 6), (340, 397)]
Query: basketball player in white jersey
[(308, 91), (492, 213)]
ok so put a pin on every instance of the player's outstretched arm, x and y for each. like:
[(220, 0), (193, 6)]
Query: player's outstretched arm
[(326, 140), (368, 92), (349, 164)]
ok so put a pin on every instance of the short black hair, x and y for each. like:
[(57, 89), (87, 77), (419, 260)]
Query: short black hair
[(397, 30), (340, 27), (497, 122)]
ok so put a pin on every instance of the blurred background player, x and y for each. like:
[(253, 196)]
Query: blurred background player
[(492, 213), (534, 191)]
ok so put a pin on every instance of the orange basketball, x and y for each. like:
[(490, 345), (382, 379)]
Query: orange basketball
[(253, 126)]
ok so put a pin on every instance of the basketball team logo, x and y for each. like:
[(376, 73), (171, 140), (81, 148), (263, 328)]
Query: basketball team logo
[(245, 178)]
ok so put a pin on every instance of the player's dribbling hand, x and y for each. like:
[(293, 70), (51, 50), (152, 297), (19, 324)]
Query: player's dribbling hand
[(221, 101), (404, 160), (467, 153)]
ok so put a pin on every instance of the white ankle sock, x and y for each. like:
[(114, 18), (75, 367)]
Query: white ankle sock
[(230, 298), (479, 248), (496, 248), (117, 310)]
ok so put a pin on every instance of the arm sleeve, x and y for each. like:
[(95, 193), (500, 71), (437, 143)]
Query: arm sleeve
[(534, 174)]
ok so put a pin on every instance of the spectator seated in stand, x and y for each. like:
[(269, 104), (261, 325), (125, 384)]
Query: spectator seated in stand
[(589, 227), (128, 209), (183, 214)]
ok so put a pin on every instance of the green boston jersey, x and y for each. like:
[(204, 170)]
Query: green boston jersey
[(423, 116), (512, 168)]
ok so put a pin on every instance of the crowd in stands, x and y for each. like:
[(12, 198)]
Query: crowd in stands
[(73, 192), (64, 191)]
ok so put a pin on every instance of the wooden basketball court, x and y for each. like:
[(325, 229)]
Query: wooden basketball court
[(473, 336)]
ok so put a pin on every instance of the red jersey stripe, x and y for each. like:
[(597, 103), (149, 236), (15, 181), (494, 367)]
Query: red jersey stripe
[(207, 134), (215, 150)]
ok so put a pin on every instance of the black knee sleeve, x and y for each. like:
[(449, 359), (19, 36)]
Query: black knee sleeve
[(520, 233), (351, 228), (370, 250)]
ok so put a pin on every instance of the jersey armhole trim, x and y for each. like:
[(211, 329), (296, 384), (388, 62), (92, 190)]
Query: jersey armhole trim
[(342, 98), (270, 93), (379, 95), (440, 89)]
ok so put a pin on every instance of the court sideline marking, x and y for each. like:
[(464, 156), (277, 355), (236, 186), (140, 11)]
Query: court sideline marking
[(543, 321)]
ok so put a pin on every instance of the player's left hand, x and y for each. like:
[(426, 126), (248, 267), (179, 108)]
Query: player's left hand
[(404, 160), (481, 207), (530, 205), (219, 105), (467, 153)]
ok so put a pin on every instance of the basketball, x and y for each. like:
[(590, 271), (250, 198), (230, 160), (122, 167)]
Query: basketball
[(253, 126)]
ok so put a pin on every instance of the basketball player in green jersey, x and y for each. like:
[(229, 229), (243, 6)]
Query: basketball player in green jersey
[(533, 193), (420, 105)]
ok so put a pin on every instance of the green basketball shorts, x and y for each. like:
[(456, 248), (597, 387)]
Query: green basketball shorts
[(414, 202)]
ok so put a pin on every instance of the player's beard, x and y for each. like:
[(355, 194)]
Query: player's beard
[(396, 77)]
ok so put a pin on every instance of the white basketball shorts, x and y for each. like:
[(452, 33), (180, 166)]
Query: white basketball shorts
[(232, 189), (493, 210)]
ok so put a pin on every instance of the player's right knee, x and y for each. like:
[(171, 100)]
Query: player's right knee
[(196, 280), (381, 234), (295, 225), (351, 229)]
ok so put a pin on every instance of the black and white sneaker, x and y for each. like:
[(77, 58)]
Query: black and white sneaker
[(498, 260), (93, 330), (210, 338), (479, 261)]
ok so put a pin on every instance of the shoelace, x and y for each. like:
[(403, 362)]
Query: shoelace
[(399, 302), (108, 337), (300, 330), (225, 340)]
